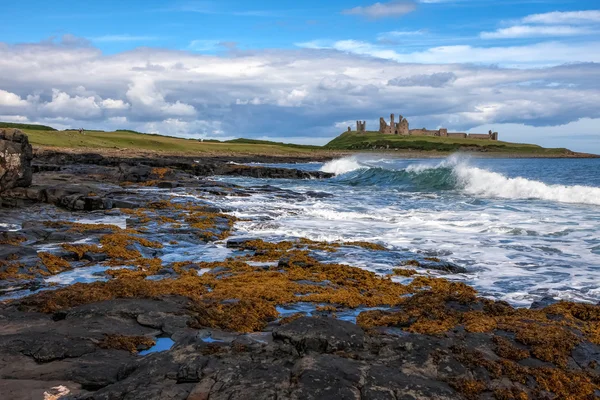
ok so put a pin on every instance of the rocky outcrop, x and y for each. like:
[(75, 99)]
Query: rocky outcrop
[(15, 159)]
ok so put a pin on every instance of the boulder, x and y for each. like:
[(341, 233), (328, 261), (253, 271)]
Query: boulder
[(15, 159), (320, 335)]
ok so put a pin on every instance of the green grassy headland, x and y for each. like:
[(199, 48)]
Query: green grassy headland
[(375, 140), (348, 142)]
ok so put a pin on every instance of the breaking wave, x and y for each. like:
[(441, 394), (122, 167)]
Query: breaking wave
[(455, 173), (342, 165)]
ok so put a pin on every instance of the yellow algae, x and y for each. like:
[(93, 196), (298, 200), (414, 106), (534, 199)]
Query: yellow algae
[(128, 343), (54, 264)]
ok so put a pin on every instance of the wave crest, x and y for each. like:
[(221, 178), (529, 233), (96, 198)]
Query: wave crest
[(455, 173), (342, 165)]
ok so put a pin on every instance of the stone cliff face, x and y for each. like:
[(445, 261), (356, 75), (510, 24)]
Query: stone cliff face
[(15, 159)]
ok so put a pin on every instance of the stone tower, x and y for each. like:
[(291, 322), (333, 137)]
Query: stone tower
[(382, 125), (361, 126), (402, 127)]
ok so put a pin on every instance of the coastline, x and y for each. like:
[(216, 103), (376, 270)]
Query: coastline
[(315, 156), (112, 257)]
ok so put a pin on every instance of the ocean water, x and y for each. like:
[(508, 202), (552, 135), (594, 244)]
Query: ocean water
[(523, 228)]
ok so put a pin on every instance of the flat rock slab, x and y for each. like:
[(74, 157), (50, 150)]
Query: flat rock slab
[(324, 335)]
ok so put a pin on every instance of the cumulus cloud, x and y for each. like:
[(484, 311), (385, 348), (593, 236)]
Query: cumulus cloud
[(437, 79), (8, 99), (146, 98), (303, 94), (383, 10)]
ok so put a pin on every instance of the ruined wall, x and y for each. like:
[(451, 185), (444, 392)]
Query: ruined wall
[(484, 136), (384, 128), (361, 126), (423, 132), (402, 126), (479, 136), (382, 125)]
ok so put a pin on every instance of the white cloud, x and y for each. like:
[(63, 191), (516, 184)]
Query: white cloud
[(111, 104), (145, 97), (533, 55), (528, 31), (63, 104), (9, 99), (383, 10), (567, 17), (306, 91), (552, 24)]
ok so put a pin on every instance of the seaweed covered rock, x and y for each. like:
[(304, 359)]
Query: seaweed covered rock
[(15, 159)]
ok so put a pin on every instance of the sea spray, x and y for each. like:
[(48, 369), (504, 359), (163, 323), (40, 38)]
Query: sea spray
[(480, 182), (342, 165), (456, 173)]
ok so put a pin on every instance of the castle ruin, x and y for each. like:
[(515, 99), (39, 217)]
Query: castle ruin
[(361, 126), (402, 128)]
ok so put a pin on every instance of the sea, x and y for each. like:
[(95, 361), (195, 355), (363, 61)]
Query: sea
[(524, 229), (521, 230)]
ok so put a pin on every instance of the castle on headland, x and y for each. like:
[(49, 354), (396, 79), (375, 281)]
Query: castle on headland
[(401, 128)]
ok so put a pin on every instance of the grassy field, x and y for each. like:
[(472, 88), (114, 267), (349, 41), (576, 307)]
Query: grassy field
[(348, 142), (129, 140), (375, 140)]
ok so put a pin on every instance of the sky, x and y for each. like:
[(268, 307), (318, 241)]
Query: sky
[(303, 72)]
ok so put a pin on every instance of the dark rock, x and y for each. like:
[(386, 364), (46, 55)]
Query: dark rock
[(135, 173), (444, 266), (543, 303), (318, 195), (327, 377), (167, 185), (94, 257), (191, 371), (320, 335), (269, 172), (15, 159), (239, 243), (127, 204)]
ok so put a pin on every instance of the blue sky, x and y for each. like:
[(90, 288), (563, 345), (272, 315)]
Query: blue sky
[(303, 71)]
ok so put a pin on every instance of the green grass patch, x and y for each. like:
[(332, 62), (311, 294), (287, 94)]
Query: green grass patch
[(131, 140), (125, 139), (377, 141), (32, 127)]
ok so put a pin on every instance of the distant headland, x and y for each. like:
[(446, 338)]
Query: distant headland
[(401, 128), (401, 141)]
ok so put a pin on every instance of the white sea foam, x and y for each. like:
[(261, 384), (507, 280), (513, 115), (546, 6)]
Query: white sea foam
[(342, 165), (517, 251), (480, 182)]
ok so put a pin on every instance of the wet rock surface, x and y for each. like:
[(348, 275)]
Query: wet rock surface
[(101, 259), (308, 358), (15, 159), (88, 182)]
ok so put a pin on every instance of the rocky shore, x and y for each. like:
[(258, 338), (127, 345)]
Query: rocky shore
[(110, 289)]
